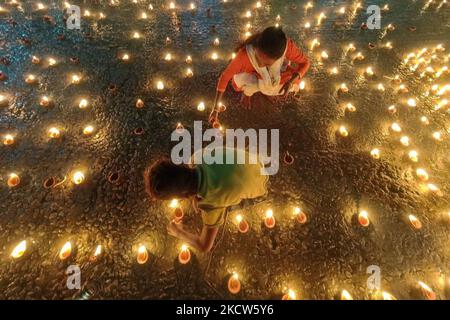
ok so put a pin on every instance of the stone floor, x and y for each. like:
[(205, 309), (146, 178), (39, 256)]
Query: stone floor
[(332, 178)]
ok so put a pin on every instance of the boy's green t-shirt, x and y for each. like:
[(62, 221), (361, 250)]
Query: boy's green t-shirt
[(224, 185)]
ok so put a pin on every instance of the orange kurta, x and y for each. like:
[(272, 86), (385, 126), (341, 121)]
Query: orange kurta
[(241, 64)]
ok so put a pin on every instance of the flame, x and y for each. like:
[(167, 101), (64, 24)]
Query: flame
[(363, 218), (415, 222), (239, 218), (65, 251), (160, 85), (19, 250), (78, 177), (345, 295), (388, 296), (269, 214), (173, 203)]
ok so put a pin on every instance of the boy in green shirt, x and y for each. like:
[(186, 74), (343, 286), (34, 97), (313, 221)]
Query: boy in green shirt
[(213, 186)]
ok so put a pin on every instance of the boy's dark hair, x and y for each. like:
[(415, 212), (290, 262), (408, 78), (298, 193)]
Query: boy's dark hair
[(271, 41), (166, 180)]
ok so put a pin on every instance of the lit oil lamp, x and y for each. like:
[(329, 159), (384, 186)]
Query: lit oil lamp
[(242, 224), (412, 102), (387, 296), (404, 141), (168, 57), (334, 71), (192, 6), (88, 130), (30, 79), (83, 103), (424, 120), (415, 222), (413, 156), (35, 60), (258, 4), (174, 203), (324, 55), (125, 57), (351, 48), (381, 87), (369, 72), (302, 85), (54, 133), (343, 131), (388, 45), (51, 62), (139, 103), (343, 88), (396, 127), (189, 73), (142, 255), (345, 295), (216, 41), (75, 79), (136, 35), (315, 43), (185, 254), (13, 180), (290, 295), (19, 250), (201, 106), (320, 18), (44, 102), (392, 109), (160, 85), (214, 56), (8, 139), (437, 136), (180, 127), (422, 174), (65, 251), (97, 252), (359, 56), (427, 292), (188, 59), (300, 215), (144, 15), (435, 189), (248, 14), (307, 25), (269, 219), (78, 177), (172, 5), (350, 107), (375, 153), (363, 218), (234, 284)]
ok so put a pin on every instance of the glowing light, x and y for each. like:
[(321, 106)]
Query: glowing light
[(424, 120), (363, 218), (404, 141), (88, 130), (30, 79), (248, 14), (54, 133), (242, 224), (396, 127), (387, 296), (437, 136), (136, 35), (142, 255), (51, 62), (216, 41), (324, 55), (413, 156), (234, 285), (160, 85), (412, 102), (174, 203), (185, 254), (375, 153), (315, 43), (13, 180), (369, 71), (75, 79), (44, 102), (8, 139), (415, 222), (83, 103), (381, 87), (78, 177), (19, 250), (125, 57), (302, 85), (65, 251), (290, 295), (427, 292), (214, 56), (334, 71), (168, 57), (343, 131), (139, 103), (435, 189), (422, 174), (201, 107), (343, 88), (189, 73), (300, 215), (98, 251), (345, 295), (269, 219), (188, 59)]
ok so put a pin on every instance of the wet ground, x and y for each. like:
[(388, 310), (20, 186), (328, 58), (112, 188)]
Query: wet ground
[(332, 178)]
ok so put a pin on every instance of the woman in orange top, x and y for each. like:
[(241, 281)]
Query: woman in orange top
[(263, 64)]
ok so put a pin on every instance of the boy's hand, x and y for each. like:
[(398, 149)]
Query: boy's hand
[(174, 228), (213, 116), (288, 85)]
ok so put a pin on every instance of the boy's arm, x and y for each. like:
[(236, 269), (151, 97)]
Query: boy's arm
[(202, 242)]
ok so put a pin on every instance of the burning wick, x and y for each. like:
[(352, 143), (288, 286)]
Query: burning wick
[(375, 153), (30, 79), (19, 250), (413, 156), (214, 56), (76, 79), (189, 73), (345, 295), (415, 222), (125, 57), (404, 141), (88, 130), (45, 101), (188, 59), (201, 106), (396, 127), (422, 174), (350, 107), (8, 139), (78, 177), (234, 285), (160, 85), (65, 251), (269, 219), (387, 296), (300, 215), (343, 131), (427, 292), (13, 180), (35, 60), (142, 255), (363, 218), (242, 224), (435, 189), (97, 252), (185, 255), (139, 103), (343, 88), (83, 104), (290, 295), (54, 133)]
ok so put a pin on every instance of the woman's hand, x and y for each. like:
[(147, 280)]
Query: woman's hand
[(213, 116), (286, 88)]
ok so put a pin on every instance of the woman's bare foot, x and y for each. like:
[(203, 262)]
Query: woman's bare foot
[(246, 101)]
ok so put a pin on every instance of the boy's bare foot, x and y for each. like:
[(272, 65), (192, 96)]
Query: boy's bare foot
[(246, 101)]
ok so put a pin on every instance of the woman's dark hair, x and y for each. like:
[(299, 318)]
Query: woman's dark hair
[(166, 180), (271, 41)]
